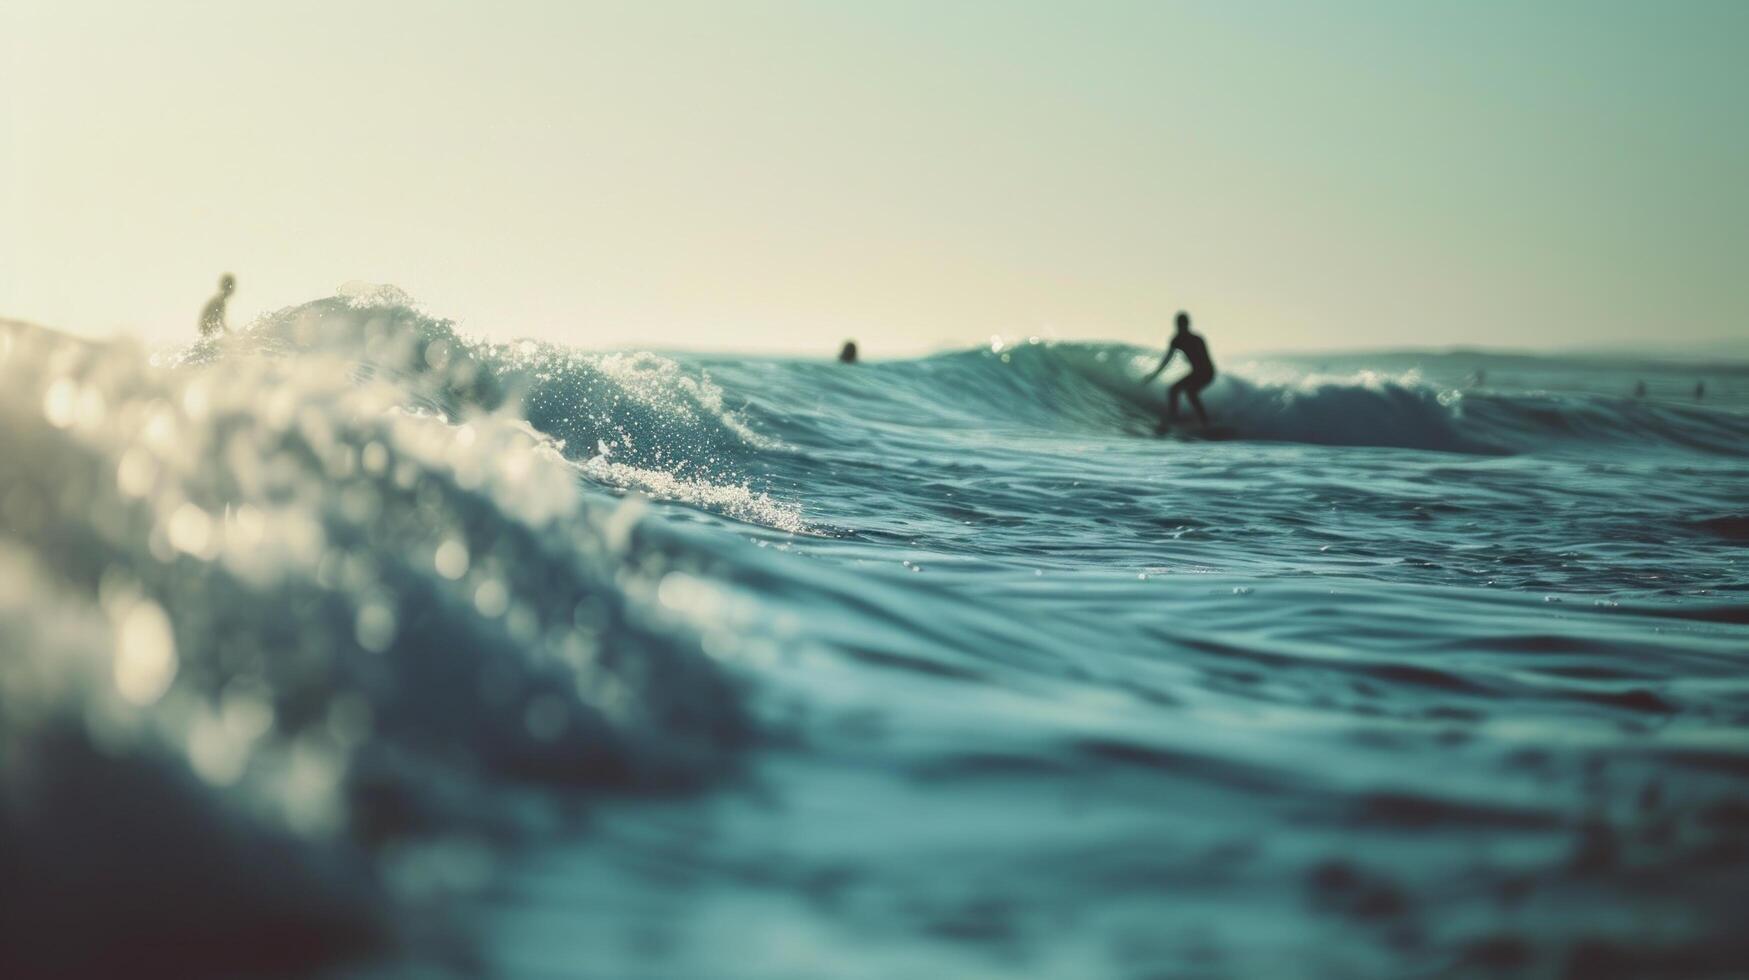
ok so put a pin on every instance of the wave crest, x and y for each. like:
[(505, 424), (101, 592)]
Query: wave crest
[(1096, 387), (300, 620)]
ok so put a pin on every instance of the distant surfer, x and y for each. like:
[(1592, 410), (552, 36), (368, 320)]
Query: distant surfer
[(1202, 369), (847, 353), (212, 318)]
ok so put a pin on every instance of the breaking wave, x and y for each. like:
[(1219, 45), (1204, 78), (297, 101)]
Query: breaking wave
[(295, 627), (1094, 387)]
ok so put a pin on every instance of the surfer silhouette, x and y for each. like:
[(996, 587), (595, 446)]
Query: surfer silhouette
[(1202, 370), (847, 353), (212, 318)]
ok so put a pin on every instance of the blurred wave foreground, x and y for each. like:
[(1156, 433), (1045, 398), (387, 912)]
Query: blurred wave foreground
[(348, 646)]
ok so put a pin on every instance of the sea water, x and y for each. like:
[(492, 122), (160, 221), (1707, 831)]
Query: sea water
[(350, 646)]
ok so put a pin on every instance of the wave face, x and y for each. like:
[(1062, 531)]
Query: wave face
[(1094, 389), (352, 643), (274, 605)]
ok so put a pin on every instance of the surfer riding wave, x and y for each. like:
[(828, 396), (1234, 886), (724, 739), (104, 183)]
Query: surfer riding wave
[(1202, 371)]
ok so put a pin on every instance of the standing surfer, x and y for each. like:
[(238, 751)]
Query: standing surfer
[(1202, 369), (212, 318)]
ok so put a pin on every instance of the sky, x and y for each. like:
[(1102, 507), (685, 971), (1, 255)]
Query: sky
[(778, 176)]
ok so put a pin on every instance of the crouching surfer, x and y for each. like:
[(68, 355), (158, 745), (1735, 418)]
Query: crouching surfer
[(1202, 371)]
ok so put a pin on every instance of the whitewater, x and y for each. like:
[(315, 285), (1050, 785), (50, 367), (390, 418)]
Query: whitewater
[(353, 646)]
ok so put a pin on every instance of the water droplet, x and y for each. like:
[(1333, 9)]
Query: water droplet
[(61, 403), (215, 755), (245, 709), (375, 459), (190, 530), (136, 472), (451, 559), (375, 626), (145, 655), (491, 599)]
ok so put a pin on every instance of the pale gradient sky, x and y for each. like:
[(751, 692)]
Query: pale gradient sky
[(778, 176)]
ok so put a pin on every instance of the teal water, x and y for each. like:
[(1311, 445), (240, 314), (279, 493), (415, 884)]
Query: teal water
[(351, 647)]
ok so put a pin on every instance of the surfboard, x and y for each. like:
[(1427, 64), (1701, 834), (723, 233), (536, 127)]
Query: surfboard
[(1195, 431)]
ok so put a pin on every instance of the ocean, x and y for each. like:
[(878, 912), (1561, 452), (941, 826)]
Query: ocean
[(350, 646)]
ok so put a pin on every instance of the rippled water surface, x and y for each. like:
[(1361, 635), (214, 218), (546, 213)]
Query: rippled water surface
[(351, 647)]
